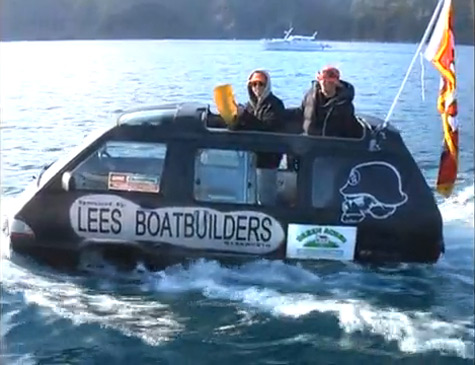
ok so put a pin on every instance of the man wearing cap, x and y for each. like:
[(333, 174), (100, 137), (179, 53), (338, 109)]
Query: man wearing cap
[(328, 106)]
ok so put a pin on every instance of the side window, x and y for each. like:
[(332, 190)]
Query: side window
[(324, 181), (123, 166), (240, 177), (225, 176)]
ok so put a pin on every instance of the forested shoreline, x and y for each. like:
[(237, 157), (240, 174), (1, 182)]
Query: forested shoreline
[(363, 20)]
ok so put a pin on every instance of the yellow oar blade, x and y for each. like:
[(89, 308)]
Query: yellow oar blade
[(225, 103)]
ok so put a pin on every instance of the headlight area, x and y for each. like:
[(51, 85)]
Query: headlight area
[(19, 230)]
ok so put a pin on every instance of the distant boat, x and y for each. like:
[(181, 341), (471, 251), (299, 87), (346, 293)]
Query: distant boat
[(295, 43)]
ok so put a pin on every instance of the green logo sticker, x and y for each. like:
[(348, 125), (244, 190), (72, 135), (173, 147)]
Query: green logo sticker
[(321, 237)]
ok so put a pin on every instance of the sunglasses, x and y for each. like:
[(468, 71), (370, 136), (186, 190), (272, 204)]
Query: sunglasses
[(257, 83)]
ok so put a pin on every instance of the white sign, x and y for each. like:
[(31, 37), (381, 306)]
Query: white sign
[(112, 217), (314, 242)]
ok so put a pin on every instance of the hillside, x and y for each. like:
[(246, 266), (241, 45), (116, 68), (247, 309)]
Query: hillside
[(378, 20)]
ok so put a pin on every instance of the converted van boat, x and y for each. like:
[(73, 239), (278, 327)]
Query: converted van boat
[(170, 183)]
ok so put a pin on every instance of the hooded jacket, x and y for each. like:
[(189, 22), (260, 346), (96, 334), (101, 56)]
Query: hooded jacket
[(330, 116), (262, 114)]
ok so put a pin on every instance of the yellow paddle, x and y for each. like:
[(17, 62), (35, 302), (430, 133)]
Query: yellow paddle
[(225, 103)]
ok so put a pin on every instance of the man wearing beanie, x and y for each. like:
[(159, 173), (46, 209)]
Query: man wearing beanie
[(328, 107)]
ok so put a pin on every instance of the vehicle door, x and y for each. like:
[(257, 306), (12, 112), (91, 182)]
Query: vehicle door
[(100, 195)]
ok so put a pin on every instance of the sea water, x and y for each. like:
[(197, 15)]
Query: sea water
[(53, 94)]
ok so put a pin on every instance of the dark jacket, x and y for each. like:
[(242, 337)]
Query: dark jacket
[(266, 114), (330, 117)]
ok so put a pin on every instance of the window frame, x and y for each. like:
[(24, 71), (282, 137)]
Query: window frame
[(197, 155), (248, 202), (138, 178)]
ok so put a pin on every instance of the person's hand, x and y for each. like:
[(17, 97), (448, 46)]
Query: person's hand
[(239, 108)]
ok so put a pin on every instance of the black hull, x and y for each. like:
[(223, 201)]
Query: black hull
[(362, 200)]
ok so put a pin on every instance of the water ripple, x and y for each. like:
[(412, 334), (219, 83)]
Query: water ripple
[(262, 312)]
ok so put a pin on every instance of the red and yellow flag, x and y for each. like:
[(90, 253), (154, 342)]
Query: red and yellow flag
[(441, 53)]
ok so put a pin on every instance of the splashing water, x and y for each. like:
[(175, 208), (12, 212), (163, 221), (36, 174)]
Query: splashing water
[(345, 293), (459, 207)]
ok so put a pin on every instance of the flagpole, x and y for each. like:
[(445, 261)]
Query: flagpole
[(422, 42)]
